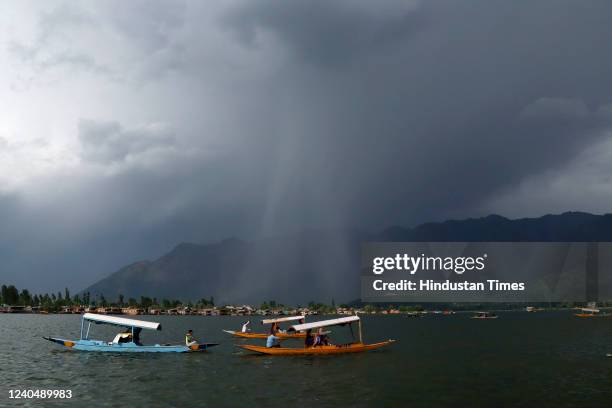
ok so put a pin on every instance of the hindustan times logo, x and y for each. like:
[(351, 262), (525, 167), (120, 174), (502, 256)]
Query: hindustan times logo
[(412, 264)]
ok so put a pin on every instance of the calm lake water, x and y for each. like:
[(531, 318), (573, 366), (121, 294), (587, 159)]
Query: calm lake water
[(521, 359)]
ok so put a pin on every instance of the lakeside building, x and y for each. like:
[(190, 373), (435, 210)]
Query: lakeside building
[(132, 311), (108, 310), (16, 309), (226, 310)]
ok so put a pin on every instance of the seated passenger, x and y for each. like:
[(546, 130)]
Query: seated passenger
[(272, 341), (136, 337), (189, 339), (123, 337), (321, 339), (309, 340)]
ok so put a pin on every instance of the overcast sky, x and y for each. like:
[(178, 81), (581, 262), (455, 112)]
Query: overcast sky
[(128, 127)]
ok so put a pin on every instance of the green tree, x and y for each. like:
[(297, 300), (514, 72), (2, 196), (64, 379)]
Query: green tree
[(10, 295), (120, 299), (25, 299), (369, 308), (145, 302)]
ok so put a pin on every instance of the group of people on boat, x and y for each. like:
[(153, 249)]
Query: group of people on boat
[(311, 340), (317, 339), (132, 335), (128, 335)]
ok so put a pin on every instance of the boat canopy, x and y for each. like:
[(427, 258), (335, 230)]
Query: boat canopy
[(324, 323), (121, 321), (590, 310), (282, 319)]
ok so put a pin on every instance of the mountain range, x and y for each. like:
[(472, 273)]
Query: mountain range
[(317, 265)]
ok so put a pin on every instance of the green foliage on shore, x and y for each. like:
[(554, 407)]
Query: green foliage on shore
[(11, 296)]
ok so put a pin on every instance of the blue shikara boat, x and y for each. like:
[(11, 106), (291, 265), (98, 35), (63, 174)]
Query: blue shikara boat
[(126, 341)]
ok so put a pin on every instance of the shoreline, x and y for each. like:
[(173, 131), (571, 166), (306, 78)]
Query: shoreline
[(220, 312)]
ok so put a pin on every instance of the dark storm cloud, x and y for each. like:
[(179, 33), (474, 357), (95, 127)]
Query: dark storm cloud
[(313, 114), (430, 123), (330, 32)]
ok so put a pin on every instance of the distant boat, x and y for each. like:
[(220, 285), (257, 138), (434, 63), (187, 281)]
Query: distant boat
[(484, 315), (126, 341), (355, 347), (591, 312), (279, 334)]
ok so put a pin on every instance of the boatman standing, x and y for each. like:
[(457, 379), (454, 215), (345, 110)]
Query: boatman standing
[(189, 340), (245, 327)]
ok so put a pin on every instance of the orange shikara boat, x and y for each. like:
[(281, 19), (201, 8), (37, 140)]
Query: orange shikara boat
[(333, 349), (591, 312), (279, 334), (356, 347)]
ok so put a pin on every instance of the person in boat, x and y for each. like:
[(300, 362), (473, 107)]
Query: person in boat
[(124, 337), (273, 340), (136, 338), (309, 340), (274, 329), (245, 326), (321, 339), (189, 339)]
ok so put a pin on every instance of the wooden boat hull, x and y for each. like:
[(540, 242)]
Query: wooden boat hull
[(339, 349), (484, 318), (250, 335), (103, 346)]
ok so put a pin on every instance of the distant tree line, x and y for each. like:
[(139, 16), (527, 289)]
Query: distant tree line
[(11, 296)]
